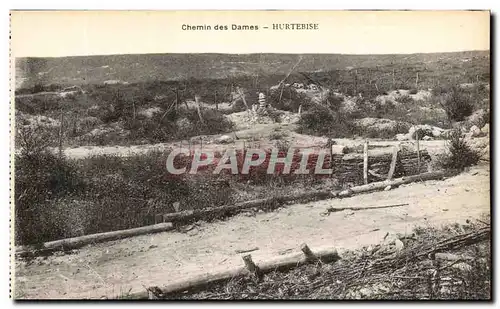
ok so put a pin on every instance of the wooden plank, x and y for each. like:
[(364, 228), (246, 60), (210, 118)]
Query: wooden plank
[(392, 168)]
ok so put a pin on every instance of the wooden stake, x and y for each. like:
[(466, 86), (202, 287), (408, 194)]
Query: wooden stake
[(308, 253), (198, 108), (300, 109), (250, 265), (418, 152), (365, 162), (416, 82), (392, 168), (215, 101), (61, 134), (393, 79), (176, 98), (242, 95)]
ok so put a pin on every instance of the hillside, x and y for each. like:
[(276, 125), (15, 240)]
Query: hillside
[(164, 67)]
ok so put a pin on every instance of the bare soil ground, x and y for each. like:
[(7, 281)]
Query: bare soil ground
[(116, 268)]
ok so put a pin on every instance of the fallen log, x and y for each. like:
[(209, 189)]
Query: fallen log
[(280, 263), (267, 203), (78, 242), (396, 182), (335, 209)]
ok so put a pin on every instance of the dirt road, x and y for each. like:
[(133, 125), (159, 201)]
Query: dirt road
[(115, 268)]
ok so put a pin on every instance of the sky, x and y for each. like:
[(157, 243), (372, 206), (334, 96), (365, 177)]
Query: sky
[(79, 33)]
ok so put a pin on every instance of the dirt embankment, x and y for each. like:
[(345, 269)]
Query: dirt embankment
[(116, 268)]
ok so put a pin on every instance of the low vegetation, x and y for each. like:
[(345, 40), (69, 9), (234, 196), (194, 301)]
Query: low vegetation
[(460, 154), (356, 276)]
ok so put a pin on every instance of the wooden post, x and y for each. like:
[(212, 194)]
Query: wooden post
[(310, 256), (300, 109), (215, 100), (418, 152), (330, 151), (365, 162), (198, 108), (416, 82), (61, 134), (133, 111), (393, 79), (176, 98), (250, 265), (355, 82), (242, 95), (392, 168)]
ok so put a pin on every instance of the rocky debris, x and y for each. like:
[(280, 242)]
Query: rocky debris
[(184, 124), (486, 129), (150, 112), (114, 82), (247, 119), (25, 120), (225, 139), (339, 149), (381, 126), (94, 111), (475, 131), (425, 132), (479, 118), (396, 96), (402, 137)]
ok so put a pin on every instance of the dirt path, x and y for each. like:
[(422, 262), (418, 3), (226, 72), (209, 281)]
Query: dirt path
[(115, 268)]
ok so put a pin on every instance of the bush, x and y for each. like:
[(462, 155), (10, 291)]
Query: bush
[(458, 104), (460, 155), (42, 178), (321, 120), (288, 100)]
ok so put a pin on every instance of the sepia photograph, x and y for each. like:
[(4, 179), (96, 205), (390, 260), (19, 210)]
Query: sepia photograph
[(250, 155)]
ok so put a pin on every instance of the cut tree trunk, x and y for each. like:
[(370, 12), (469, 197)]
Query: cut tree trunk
[(396, 182), (284, 262), (78, 242)]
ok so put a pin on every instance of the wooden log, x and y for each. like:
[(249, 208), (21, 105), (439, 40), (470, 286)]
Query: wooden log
[(396, 182), (270, 203), (78, 242), (280, 263), (335, 209)]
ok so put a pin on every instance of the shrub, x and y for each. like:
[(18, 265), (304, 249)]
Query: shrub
[(458, 104), (316, 120), (321, 120), (40, 179), (460, 155), (289, 99)]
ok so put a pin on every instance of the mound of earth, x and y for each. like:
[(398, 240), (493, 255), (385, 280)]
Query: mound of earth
[(397, 96), (249, 118), (381, 127)]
